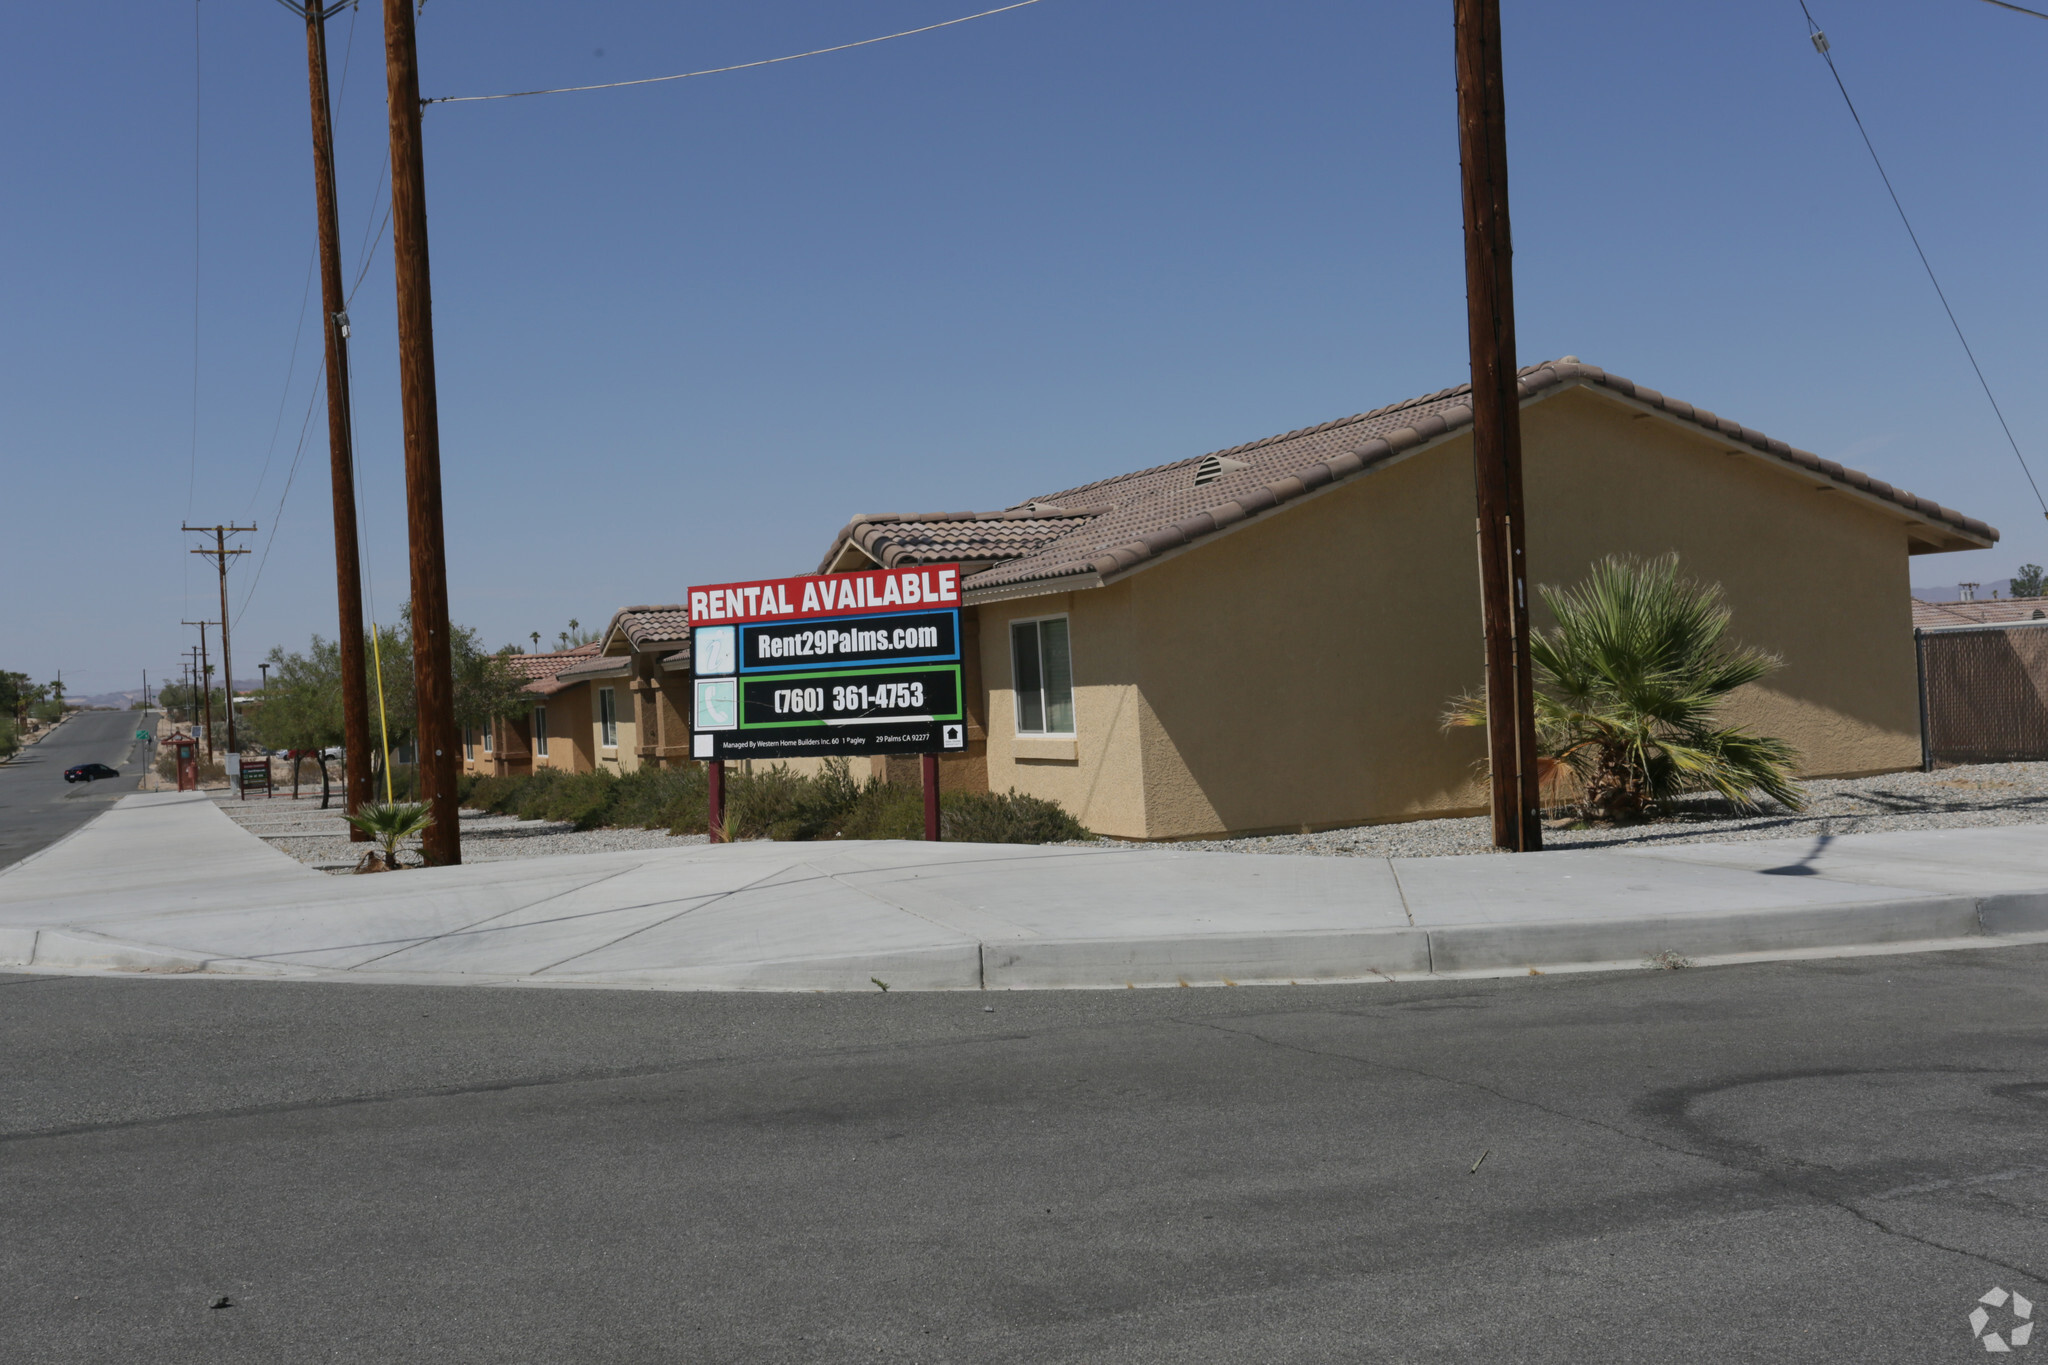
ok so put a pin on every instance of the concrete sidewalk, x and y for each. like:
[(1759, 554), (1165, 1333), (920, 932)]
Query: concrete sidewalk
[(165, 882)]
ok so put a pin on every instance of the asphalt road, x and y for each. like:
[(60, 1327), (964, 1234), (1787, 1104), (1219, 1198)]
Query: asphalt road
[(38, 807), (1816, 1161)]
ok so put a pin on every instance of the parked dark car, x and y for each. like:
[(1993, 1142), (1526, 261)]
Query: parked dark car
[(89, 772)]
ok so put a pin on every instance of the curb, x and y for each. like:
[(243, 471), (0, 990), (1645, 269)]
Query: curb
[(1322, 957)]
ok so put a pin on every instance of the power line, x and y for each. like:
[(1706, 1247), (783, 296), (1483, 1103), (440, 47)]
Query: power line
[(1820, 45), (716, 70), (298, 335), (2018, 9), (284, 399), (304, 427)]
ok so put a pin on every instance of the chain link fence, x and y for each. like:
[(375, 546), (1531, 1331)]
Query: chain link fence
[(1983, 694)]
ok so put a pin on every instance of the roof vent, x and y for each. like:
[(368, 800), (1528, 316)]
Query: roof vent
[(1214, 467)]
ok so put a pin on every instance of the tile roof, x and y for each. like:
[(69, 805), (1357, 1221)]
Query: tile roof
[(1999, 611), (1103, 529), (633, 629), (546, 665), (968, 537), (541, 670)]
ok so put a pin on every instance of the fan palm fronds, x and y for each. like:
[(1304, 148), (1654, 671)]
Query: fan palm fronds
[(1629, 686), (392, 824)]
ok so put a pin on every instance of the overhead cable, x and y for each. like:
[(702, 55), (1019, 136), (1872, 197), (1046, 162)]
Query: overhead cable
[(716, 70), (2019, 9), (1820, 45)]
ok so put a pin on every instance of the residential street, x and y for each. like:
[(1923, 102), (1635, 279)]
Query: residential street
[(1827, 1160), (37, 806)]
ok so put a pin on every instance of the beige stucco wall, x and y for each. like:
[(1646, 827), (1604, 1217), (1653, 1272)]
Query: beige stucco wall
[(1821, 579), (1292, 674), (570, 731), (622, 759)]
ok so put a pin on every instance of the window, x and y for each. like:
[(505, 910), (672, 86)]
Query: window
[(540, 732), (488, 727), (468, 742), (1044, 675), (607, 719)]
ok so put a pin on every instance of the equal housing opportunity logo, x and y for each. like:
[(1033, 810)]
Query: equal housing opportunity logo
[(2012, 1325)]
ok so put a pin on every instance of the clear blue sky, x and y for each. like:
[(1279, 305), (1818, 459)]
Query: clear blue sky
[(685, 331)]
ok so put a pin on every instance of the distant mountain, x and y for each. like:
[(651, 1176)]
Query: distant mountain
[(123, 700)]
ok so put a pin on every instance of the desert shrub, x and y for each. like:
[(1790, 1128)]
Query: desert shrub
[(1011, 818), (8, 742), (530, 799), (465, 784), (494, 794), (757, 802), (881, 810), (580, 799), (674, 799)]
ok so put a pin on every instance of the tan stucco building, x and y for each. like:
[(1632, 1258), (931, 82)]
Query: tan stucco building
[(1264, 638)]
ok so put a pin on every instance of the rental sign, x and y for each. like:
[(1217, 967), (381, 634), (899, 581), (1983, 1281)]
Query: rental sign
[(828, 664)]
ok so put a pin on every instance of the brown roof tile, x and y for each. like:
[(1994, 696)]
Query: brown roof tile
[(1999, 611), (633, 629), (1110, 526)]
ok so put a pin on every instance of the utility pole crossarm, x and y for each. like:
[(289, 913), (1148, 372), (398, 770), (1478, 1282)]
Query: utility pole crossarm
[(220, 553)]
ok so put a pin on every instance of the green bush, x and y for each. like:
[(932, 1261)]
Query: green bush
[(1012, 818), (674, 799), (580, 799), (8, 742), (771, 803)]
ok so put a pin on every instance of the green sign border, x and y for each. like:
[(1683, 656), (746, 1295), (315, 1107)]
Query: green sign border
[(959, 692)]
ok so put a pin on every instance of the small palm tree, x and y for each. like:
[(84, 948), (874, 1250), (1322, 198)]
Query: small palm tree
[(535, 637), (1629, 686), (391, 825)]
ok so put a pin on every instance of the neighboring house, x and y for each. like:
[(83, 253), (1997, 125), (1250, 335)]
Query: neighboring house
[(547, 736), (634, 686), (1265, 638), (1996, 612)]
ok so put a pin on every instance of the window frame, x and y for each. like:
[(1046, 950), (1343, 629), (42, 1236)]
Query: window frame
[(607, 718), (540, 732), (1017, 691), (489, 725)]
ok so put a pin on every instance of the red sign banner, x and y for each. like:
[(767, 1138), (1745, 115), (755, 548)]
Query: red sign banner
[(839, 594)]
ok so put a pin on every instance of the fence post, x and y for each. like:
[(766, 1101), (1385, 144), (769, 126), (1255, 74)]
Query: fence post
[(1920, 663)]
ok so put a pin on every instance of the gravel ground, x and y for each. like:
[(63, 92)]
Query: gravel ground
[(1953, 798), (320, 839)]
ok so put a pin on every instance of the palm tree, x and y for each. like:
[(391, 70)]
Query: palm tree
[(391, 825), (536, 639), (1629, 687)]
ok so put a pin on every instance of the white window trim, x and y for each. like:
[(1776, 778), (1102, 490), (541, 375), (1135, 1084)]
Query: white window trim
[(1016, 718), (488, 725), (540, 732), (607, 701)]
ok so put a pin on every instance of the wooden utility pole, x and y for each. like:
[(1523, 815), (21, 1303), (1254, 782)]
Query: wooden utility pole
[(205, 686), (348, 573), (432, 666), (1496, 428), (220, 554)]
